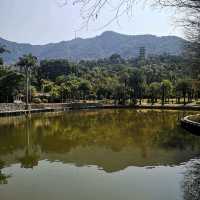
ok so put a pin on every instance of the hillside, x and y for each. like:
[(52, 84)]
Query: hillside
[(101, 46)]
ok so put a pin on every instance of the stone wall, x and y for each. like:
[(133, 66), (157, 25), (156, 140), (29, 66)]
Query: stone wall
[(6, 107), (49, 105), (190, 125), (11, 107)]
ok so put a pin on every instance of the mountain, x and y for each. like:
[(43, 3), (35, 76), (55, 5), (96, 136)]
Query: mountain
[(101, 46)]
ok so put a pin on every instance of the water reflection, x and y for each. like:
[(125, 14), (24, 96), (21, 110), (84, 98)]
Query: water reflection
[(111, 139), (3, 177), (31, 156), (140, 154), (191, 183)]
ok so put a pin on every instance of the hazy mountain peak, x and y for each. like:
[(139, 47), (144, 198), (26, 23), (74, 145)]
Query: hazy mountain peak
[(108, 33), (101, 46)]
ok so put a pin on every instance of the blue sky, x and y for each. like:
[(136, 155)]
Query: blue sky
[(44, 21)]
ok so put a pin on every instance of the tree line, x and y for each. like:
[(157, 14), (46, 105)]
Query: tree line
[(157, 79)]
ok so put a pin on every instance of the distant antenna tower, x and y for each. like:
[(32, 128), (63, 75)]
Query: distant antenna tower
[(75, 34)]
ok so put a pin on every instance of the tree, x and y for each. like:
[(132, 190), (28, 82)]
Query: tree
[(51, 69), (100, 79), (84, 88), (27, 64), (55, 93), (124, 78), (1, 61), (136, 82), (124, 82), (166, 88), (154, 91), (196, 89), (72, 84), (10, 85), (2, 50), (189, 10), (116, 59), (183, 86)]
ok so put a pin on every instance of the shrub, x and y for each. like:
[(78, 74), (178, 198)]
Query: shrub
[(37, 100), (45, 100)]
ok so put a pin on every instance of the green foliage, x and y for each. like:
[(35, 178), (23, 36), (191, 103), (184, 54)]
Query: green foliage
[(183, 88), (11, 83), (45, 100), (166, 89), (37, 100), (154, 91), (51, 69), (1, 61), (27, 62), (137, 83), (113, 78), (2, 50), (167, 85)]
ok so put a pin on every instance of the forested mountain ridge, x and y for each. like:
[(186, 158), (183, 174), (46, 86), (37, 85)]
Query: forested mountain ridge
[(101, 46)]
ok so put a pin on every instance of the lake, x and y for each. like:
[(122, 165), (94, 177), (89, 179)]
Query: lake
[(122, 154)]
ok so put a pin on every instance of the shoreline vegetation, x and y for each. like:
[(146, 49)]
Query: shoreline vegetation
[(148, 81), (158, 79)]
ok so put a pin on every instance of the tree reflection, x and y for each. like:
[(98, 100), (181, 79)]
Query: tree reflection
[(31, 157), (3, 177), (110, 139), (191, 183)]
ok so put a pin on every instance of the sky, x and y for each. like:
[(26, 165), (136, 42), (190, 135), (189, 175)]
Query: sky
[(45, 21)]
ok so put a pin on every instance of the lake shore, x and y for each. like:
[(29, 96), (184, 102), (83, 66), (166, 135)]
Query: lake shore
[(11, 110), (191, 123)]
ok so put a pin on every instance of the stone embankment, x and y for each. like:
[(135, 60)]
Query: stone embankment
[(7, 109), (191, 123)]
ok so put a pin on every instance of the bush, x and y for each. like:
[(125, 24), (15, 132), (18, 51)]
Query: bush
[(37, 100), (45, 100), (134, 102), (92, 97)]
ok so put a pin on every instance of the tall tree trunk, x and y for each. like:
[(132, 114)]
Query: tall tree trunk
[(27, 89)]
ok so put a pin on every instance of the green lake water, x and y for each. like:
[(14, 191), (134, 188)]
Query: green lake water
[(99, 155)]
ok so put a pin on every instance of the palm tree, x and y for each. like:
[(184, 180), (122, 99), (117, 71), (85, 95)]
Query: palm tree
[(27, 64)]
